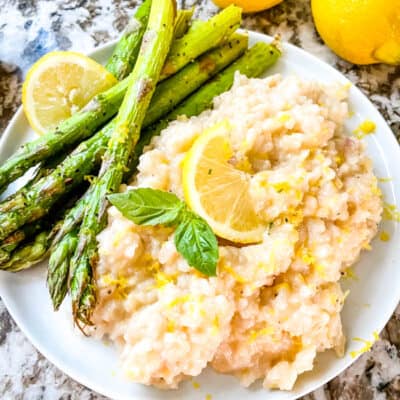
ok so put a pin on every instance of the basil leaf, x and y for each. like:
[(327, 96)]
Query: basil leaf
[(145, 206), (196, 242)]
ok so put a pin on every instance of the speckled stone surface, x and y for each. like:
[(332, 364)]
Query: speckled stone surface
[(30, 28)]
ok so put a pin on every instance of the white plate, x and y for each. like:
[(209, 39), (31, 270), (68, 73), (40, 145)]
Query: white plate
[(370, 304)]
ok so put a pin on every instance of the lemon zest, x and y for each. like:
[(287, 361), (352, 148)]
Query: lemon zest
[(196, 385), (180, 300), (306, 256), (384, 236), (367, 344), (281, 186), (118, 236), (162, 279), (294, 216), (238, 278), (345, 294), (320, 269), (384, 180), (269, 268), (366, 246), (215, 326), (170, 326), (333, 299), (120, 284), (187, 298), (284, 117), (365, 128), (349, 274), (390, 212), (281, 286), (376, 191), (255, 334), (208, 397)]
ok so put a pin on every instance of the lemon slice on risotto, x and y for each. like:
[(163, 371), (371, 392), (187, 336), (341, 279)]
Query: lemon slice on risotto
[(217, 191)]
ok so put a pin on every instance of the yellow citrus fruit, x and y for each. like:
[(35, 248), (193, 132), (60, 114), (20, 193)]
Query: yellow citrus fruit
[(248, 6), (217, 191), (59, 84), (360, 31)]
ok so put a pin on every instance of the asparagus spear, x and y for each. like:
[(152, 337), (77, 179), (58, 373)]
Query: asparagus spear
[(4, 256), (20, 242), (105, 105), (125, 53), (142, 82), (182, 22), (12, 241), (191, 46), (24, 257), (58, 270)]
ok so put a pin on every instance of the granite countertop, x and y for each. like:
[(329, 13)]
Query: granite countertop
[(31, 28)]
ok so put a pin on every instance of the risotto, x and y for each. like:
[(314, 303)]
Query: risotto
[(273, 305)]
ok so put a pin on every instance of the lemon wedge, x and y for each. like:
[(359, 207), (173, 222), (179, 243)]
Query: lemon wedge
[(217, 191), (60, 84)]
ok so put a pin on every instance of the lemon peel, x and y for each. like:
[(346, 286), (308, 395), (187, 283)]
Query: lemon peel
[(391, 212), (349, 273), (196, 385), (367, 344), (120, 283), (367, 127), (384, 236), (255, 334)]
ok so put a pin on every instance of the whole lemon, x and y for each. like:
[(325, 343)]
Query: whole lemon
[(248, 6), (360, 31)]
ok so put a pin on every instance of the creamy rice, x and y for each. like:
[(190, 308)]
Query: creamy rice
[(273, 305)]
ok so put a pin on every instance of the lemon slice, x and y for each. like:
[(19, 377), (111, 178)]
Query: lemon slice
[(217, 191), (58, 85)]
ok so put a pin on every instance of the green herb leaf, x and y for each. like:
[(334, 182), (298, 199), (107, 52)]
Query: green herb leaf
[(145, 206), (197, 243), (194, 239)]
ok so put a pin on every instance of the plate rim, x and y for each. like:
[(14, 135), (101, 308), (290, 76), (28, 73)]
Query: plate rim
[(102, 389)]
